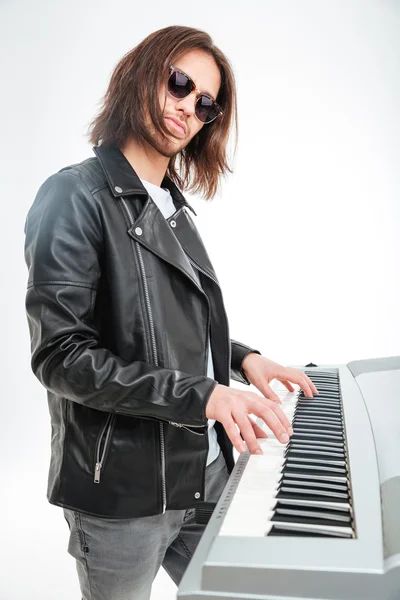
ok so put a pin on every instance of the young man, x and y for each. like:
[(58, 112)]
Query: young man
[(129, 333)]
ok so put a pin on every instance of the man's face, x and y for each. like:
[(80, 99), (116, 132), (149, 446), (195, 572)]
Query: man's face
[(202, 68)]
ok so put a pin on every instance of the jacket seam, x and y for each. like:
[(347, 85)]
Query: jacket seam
[(184, 546), (60, 482), (80, 175), (83, 543), (83, 182), (93, 296), (98, 189), (61, 282)]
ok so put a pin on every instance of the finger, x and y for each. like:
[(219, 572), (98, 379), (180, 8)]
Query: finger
[(287, 385), (284, 419), (278, 411), (233, 434), (301, 379), (312, 386), (270, 394), (306, 388), (271, 420), (247, 431), (259, 432)]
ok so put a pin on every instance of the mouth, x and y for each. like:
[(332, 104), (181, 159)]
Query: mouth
[(180, 129)]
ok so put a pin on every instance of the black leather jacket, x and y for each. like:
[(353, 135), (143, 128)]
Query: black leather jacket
[(119, 330)]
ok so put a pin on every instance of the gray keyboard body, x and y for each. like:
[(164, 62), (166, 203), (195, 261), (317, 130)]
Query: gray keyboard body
[(366, 567)]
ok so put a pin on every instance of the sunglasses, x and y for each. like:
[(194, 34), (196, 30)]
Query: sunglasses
[(181, 85)]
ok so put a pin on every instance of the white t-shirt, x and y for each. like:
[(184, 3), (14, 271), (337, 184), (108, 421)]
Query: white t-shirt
[(162, 198)]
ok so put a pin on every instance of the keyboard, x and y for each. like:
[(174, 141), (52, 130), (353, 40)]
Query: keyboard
[(320, 517), (303, 488)]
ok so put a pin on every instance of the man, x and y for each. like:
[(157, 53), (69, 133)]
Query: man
[(129, 333)]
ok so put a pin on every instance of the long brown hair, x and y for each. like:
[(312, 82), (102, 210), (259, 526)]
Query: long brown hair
[(203, 160)]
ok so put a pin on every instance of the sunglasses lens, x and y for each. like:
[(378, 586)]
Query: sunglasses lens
[(179, 85), (206, 110)]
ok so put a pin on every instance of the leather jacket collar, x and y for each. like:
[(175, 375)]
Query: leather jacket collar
[(123, 179)]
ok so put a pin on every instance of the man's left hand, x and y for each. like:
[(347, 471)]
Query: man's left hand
[(260, 371)]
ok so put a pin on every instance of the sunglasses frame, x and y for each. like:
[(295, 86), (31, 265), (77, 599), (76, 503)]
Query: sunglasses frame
[(199, 94)]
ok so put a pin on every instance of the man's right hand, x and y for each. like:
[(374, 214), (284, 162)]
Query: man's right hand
[(232, 407)]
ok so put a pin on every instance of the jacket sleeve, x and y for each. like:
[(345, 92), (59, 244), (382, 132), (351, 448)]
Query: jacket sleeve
[(63, 248), (238, 353)]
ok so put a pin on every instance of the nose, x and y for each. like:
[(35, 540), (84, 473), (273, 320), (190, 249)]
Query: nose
[(187, 104)]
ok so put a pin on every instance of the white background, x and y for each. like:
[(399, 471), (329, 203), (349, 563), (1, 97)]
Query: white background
[(304, 236)]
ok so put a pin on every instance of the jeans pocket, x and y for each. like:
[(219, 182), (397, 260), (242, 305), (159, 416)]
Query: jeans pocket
[(82, 538), (77, 546)]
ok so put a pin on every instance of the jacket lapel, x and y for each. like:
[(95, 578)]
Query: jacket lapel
[(151, 229), (191, 242), (155, 233)]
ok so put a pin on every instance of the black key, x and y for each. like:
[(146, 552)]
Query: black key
[(326, 374), (309, 495), (315, 462), (320, 419), (330, 377), (290, 493), (315, 409), (317, 485), (297, 436), (287, 531), (307, 520), (305, 479), (311, 415), (326, 387), (323, 394), (300, 421), (320, 457), (320, 444), (321, 454), (339, 517), (322, 504), (318, 402), (314, 469), (317, 426), (338, 435), (279, 531)]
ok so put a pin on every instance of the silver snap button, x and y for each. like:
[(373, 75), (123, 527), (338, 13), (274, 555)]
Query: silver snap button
[(138, 231), (197, 495), (173, 224), (118, 189)]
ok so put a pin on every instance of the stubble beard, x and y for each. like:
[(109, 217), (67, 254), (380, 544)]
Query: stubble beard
[(167, 148)]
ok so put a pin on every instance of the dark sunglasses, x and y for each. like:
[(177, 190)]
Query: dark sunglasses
[(181, 85)]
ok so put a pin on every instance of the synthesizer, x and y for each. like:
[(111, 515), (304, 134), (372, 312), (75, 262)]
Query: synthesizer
[(318, 518)]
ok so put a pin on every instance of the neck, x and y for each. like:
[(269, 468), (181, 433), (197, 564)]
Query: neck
[(149, 164)]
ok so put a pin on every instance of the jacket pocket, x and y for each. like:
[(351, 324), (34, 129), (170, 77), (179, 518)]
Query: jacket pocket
[(102, 445)]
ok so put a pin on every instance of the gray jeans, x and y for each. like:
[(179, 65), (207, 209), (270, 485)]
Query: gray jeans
[(118, 559)]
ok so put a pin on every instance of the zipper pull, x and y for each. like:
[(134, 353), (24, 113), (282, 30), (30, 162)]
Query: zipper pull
[(175, 424), (97, 472)]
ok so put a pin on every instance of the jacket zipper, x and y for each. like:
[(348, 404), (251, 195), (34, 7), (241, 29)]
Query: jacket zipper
[(154, 348), (187, 426), (153, 340), (100, 459)]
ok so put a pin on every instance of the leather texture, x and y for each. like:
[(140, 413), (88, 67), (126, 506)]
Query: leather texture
[(118, 329)]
